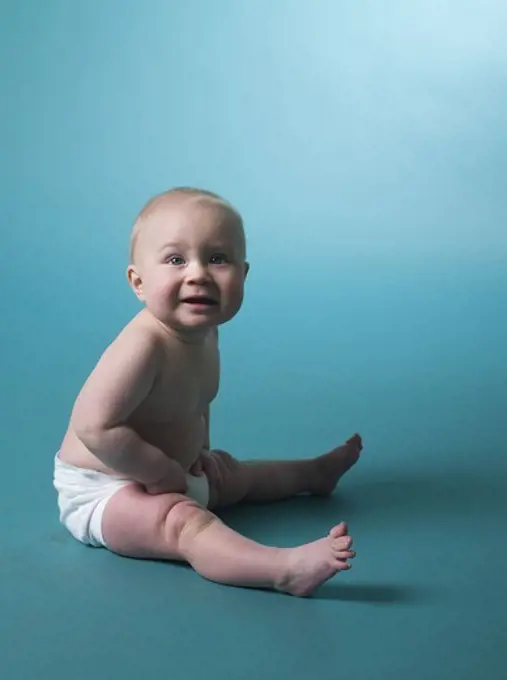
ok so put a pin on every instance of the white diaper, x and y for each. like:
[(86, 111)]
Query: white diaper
[(83, 495)]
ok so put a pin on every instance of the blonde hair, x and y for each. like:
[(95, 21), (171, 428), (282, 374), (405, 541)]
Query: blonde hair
[(178, 192)]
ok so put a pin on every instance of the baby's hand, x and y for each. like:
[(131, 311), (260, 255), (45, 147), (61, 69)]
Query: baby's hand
[(174, 481), (198, 468), (217, 465)]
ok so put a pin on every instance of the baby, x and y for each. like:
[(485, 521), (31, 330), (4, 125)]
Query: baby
[(135, 472)]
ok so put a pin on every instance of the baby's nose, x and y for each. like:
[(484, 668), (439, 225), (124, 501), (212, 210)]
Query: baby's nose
[(197, 272)]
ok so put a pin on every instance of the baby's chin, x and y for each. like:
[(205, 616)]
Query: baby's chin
[(212, 315), (189, 327), (188, 319)]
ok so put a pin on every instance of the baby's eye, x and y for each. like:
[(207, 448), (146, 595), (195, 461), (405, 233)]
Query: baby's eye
[(219, 258), (175, 260)]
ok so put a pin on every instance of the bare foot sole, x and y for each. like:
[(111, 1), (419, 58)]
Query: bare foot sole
[(330, 467), (309, 566)]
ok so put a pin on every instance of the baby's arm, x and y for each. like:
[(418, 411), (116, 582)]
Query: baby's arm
[(197, 469), (207, 445), (122, 379)]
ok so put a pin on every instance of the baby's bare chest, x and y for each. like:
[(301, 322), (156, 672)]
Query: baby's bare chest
[(185, 386)]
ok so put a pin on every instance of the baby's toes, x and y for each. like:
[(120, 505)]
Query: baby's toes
[(344, 555), (342, 543), (342, 565), (356, 440), (338, 531)]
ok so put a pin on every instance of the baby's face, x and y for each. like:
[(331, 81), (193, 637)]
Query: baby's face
[(190, 260)]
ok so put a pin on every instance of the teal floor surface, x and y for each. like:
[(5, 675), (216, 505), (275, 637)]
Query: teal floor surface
[(427, 596)]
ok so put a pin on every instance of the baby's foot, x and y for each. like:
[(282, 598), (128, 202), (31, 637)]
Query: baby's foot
[(308, 566), (329, 468)]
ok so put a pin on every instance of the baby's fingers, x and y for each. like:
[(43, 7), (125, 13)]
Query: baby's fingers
[(197, 468), (211, 468)]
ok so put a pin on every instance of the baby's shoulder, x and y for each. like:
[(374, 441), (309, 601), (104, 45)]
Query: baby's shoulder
[(139, 337)]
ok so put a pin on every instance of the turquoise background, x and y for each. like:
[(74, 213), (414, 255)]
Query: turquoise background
[(365, 144)]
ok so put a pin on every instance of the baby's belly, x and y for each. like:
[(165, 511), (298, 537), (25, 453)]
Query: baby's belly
[(182, 442)]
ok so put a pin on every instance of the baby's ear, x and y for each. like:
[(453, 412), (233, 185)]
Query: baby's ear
[(247, 268), (135, 282)]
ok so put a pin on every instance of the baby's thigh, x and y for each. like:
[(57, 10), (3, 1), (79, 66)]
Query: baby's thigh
[(134, 523)]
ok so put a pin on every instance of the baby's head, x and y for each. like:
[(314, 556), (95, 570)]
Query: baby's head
[(188, 258)]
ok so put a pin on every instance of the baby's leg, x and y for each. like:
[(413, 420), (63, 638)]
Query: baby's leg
[(232, 481), (172, 527)]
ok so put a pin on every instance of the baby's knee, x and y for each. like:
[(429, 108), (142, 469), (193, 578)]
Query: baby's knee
[(186, 519)]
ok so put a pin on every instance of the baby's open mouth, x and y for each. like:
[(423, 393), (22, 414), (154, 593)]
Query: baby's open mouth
[(199, 300)]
